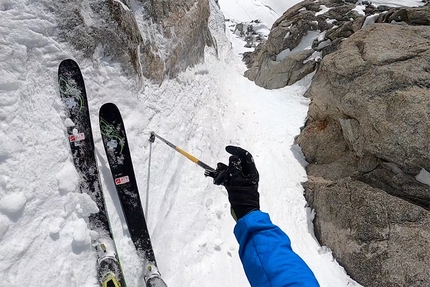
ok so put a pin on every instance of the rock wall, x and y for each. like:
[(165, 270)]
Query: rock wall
[(366, 138), (160, 42), (185, 25), (271, 70), (281, 61)]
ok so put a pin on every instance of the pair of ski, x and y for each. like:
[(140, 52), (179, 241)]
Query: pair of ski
[(74, 98)]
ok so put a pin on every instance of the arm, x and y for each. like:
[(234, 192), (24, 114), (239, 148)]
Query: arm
[(265, 250), (266, 254)]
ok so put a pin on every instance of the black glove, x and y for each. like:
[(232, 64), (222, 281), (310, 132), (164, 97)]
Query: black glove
[(240, 178)]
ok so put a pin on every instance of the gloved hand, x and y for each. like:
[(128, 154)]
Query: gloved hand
[(240, 178)]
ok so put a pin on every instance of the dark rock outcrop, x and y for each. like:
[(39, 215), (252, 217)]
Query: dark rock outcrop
[(366, 138)]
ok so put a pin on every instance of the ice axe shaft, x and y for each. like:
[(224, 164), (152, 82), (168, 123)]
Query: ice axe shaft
[(184, 153)]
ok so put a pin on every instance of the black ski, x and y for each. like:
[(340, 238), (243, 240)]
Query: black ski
[(118, 155), (74, 98)]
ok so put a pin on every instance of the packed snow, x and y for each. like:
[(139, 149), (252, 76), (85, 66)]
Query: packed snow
[(44, 238)]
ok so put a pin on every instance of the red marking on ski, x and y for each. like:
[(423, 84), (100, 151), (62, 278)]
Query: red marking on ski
[(122, 180), (77, 138)]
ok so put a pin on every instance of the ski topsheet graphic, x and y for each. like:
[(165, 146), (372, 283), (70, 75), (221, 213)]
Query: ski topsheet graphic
[(74, 98), (118, 155)]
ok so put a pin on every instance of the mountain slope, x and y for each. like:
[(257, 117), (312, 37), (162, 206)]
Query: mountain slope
[(44, 240)]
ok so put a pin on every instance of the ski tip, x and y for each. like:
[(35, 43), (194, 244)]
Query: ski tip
[(108, 105), (68, 63), (69, 67), (108, 108)]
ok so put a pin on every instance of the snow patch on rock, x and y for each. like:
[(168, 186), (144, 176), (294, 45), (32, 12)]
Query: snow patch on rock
[(423, 176)]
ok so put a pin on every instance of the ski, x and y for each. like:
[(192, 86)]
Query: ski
[(74, 98), (118, 155)]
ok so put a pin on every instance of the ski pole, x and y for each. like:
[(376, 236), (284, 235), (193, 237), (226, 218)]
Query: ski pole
[(184, 153), (151, 141)]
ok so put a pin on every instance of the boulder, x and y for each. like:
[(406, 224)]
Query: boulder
[(278, 74), (381, 240), (366, 138)]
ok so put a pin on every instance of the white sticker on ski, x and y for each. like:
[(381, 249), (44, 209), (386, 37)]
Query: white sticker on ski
[(77, 137), (122, 180)]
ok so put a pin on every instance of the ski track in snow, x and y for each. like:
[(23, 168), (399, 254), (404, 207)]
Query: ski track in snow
[(43, 237)]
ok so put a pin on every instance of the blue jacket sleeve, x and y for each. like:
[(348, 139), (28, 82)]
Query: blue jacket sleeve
[(266, 254)]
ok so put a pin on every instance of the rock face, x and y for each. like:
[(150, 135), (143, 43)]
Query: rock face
[(366, 138), (184, 24), (158, 43), (304, 21), (320, 26), (381, 240)]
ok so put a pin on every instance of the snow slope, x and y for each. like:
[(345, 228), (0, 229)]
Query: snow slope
[(44, 240), (268, 11)]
